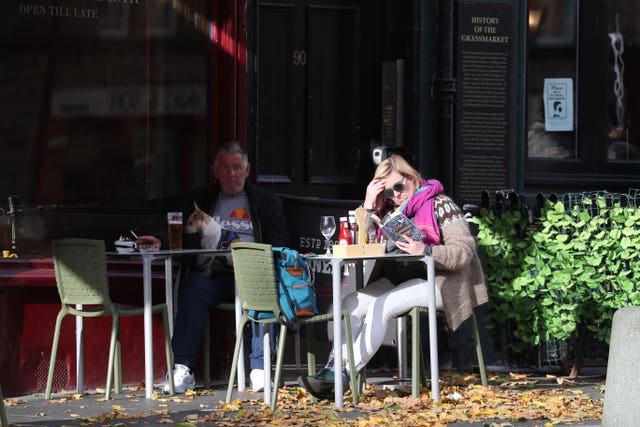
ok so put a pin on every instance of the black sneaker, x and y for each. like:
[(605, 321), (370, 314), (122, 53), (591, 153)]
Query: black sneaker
[(321, 385)]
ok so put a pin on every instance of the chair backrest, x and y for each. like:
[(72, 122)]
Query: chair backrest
[(81, 271), (255, 277)]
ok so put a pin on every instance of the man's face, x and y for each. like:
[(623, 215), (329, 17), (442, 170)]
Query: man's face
[(231, 173)]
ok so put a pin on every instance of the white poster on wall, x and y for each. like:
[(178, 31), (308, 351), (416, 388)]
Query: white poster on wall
[(558, 104)]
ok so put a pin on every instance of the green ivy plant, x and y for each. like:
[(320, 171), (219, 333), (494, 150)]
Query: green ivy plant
[(569, 269)]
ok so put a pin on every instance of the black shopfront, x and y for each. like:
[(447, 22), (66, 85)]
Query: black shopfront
[(110, 109)]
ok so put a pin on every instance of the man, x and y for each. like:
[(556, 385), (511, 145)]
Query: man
[(255, 215)]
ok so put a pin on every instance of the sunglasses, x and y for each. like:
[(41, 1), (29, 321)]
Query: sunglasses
[(398, 187)]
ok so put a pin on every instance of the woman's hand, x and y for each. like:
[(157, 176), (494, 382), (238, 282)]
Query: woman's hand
[(410, 246), (374, 188)]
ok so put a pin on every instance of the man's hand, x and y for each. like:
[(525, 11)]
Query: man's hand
[(148, 240)]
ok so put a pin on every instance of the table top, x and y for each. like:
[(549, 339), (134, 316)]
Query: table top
[(170, 252), (393, 257)]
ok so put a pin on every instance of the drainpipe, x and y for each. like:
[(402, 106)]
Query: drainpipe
[(427, 111), (444, 91)]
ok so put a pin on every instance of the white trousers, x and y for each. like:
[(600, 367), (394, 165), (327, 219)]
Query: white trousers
[(374, 308)]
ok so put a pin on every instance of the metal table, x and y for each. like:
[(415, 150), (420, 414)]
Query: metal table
[(336, 267), (148, 257)]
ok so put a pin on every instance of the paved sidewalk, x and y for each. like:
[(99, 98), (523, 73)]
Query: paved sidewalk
[(202, 408)]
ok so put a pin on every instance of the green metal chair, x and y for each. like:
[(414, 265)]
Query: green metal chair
[(3, 415), (81, 276), (258, 290), (418, 371)]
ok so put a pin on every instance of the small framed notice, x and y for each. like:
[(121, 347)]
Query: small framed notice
[(558, 104)]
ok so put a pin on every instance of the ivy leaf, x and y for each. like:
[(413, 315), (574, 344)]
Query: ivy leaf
[(594, 260)]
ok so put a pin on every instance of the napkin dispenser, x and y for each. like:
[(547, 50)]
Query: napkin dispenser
[(124, 245)]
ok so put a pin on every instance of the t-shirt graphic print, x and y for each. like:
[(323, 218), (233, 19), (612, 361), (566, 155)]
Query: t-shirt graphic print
[(232, 213)]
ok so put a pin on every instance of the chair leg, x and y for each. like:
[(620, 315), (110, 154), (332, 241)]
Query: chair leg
[(311, 348), (3, 415), (279, 359), (206, 351), (167, 349), (113, 344), (423, 368), (416, 352), (361, 379), (117, 363), (353, 375), (476, 340), (236, 353), (54, 351)]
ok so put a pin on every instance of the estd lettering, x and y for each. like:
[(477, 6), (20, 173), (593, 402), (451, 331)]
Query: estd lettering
[(310, 243)]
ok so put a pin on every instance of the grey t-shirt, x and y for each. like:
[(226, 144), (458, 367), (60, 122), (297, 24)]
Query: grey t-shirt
[(232, 213)]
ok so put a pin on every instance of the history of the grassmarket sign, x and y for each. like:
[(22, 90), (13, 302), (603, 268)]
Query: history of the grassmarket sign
[(484, 90)]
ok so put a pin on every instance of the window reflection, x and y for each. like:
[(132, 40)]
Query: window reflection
[(623, 138), (552, 54), (552, 23), (103, 103)]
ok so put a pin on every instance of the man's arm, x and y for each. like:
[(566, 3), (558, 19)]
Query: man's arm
[(275, 224), (270, 213)]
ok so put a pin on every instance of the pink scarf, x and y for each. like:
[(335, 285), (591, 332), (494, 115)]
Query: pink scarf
[(420, 207)]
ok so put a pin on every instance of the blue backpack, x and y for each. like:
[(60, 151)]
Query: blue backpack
[(297, 290), (295, 285)]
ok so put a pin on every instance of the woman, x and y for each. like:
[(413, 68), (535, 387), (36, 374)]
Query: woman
[(459, 279)]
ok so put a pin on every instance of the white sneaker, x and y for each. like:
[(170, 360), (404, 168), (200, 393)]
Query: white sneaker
[(257, 379), (183, 379)]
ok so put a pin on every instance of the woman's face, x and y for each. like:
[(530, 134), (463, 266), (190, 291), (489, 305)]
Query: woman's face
[(398, 188)]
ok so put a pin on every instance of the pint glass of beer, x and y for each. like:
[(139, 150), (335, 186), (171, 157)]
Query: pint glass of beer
[(174, 220)]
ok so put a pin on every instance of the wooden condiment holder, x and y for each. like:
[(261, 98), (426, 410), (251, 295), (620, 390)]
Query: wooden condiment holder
[(360, 250)]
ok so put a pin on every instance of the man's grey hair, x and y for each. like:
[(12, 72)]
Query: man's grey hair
[(230, 147)]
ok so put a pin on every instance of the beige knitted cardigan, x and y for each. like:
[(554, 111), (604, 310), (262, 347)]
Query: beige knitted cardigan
[(459, 275)]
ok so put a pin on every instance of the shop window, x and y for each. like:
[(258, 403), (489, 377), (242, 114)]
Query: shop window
[(582, 98), (103, 103), (551, 77), (623, 115)]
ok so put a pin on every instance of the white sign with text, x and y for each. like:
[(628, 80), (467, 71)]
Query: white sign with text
[(558, 104)]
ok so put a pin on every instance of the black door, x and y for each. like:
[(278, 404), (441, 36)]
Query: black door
[(312, 95)]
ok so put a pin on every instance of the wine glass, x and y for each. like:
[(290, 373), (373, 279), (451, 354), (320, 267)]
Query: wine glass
[(327, 228)]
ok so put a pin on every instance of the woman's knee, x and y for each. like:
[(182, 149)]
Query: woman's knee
[(378, 287), (350, 302)]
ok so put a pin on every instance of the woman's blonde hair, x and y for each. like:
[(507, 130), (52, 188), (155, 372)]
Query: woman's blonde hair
[(398, 164)]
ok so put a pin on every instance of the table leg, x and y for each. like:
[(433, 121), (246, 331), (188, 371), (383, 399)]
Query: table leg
[(241, 367), (401, 341), (79, 352), (433, 331), (147, 259), (336, 265), (168, 290), (266, 364)]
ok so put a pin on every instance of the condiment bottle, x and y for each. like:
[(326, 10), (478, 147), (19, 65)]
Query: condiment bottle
[(353, 227), (345, 234)]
